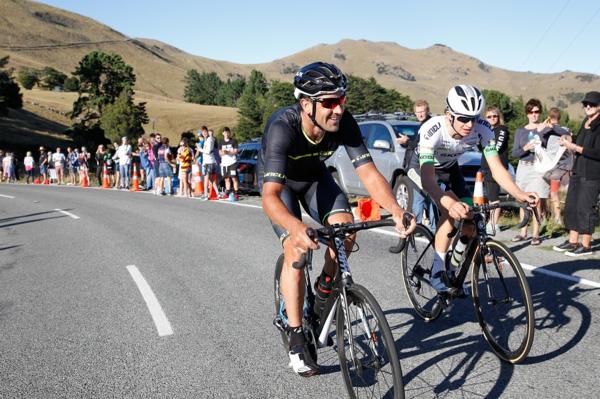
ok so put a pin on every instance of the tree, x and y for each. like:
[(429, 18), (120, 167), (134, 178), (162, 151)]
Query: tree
[(495, 98), (29, 77), (51, 78), (250, 106), (230, 92), (10, 95), (366, 95), (280, 94), (202, 88), (71, 84), (102, 77), (124, 118)]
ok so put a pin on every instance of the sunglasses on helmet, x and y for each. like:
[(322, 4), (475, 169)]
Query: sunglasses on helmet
[(331, 103)]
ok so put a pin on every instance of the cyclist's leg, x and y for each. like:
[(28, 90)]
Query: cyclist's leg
[(326, 202)]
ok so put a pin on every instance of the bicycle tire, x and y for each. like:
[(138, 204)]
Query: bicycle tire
[(278, 299), (372, 368), (503, 303), (417, 277)]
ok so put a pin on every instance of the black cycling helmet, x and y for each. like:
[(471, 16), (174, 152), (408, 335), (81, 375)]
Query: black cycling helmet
[(319, 78)]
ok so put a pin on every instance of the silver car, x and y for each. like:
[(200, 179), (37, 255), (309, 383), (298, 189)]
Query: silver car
[(380, 139)]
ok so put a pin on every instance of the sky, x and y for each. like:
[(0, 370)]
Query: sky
[(525, 35)]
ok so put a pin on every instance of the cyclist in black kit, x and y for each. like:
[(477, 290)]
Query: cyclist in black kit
[(291, 170)]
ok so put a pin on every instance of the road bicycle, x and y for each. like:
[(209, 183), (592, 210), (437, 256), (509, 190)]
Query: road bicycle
[(499, 288), (365, 344)]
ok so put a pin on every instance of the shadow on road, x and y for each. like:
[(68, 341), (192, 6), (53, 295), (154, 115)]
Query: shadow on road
[(465, 364)]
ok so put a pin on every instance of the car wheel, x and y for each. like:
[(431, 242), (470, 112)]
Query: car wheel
[(403, 192)]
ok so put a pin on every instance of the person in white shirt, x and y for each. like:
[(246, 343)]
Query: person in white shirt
[(209, 165), (59, 165), (28, 162), (124, 155)]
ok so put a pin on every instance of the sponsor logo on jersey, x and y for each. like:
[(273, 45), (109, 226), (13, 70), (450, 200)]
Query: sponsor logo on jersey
[(433, 129), (274, 175), (361, 157)]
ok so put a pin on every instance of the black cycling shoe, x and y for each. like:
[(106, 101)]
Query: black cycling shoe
[(302, 362)]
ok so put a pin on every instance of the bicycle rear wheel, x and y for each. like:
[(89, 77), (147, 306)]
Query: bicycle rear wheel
[(366, 348), (280, 304), (503, 303), (416, 272)]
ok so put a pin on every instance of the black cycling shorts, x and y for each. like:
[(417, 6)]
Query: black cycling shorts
[(454, 181), (320, 199)]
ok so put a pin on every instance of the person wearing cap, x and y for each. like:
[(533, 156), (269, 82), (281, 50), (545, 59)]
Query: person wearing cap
[(581, 213)]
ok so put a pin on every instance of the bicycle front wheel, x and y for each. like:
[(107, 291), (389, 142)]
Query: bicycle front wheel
[(416, 265), (366, 348), (503, 303)]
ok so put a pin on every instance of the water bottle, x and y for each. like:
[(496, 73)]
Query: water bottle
[(531, 137)]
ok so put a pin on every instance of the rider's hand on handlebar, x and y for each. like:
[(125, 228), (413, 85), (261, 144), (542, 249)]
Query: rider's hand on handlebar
[(459, 210), (531, 198), (299, 238), (401, 229)]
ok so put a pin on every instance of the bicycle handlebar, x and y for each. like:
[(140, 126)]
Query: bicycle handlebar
[(341, 230)]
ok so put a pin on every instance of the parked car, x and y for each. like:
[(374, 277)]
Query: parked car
[(247, 156), (379, 133)]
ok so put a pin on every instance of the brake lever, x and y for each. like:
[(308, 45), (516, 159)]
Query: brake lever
[(407, 218)]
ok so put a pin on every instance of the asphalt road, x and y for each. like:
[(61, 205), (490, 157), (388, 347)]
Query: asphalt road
[(75, 324)]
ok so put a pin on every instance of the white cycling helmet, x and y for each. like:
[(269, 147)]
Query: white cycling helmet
[(465, 100)]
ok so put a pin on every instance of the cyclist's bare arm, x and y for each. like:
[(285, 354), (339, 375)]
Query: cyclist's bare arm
[(504, 179), (379, 189), (278, 213)]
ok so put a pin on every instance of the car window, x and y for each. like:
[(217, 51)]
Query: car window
[(407, 130), (365, 130), (380, 132), (248, 153)]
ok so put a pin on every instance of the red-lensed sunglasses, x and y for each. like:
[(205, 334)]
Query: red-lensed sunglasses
[(331, 103)]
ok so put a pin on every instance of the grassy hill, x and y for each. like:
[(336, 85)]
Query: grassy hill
[(37, 35)]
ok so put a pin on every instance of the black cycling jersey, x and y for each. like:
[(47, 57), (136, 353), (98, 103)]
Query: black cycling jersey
[(287, 153)]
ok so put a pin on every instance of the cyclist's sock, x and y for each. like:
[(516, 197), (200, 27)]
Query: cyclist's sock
[(296, 336), (438, 262)]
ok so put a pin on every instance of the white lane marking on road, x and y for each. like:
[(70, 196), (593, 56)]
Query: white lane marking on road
[(7, 196), (68, 213), (160, 319), (239, 204), (576, 279)]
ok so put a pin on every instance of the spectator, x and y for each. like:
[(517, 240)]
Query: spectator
[(209, 165), (43, 164), (421, 200), (142, 154), (228, 150), (110, 166), (8, 174), (116, 165), (100, 162), (29, 164), (123, 154), (156, 144), (202, 135), (560, 174), (51, 171), (528, 179), (2, 165), (581, 212), (58, 158), (184, 155), (496, 121), (165, 170), (84, 164), (72, 165)]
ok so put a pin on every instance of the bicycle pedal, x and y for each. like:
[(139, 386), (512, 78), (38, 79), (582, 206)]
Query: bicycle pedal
[(278, 322), (445, 300)]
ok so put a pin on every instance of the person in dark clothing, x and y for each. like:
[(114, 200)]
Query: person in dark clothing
[(581, 207), (496, 121)]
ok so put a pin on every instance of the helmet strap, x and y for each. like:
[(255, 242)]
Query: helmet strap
[(314, 112), (452, 120)]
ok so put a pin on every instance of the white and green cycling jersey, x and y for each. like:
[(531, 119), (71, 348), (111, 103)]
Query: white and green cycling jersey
[(438, 148)]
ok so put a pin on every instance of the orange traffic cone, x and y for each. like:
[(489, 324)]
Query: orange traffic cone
[(368, 210), (46, 181), (213, 194), (197, 181), (135, 181), (105, 179), (84, 180), (37, 181), (478, 198)]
